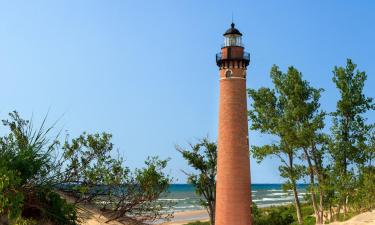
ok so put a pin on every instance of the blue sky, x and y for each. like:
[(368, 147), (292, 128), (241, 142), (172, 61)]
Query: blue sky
[(145, 70)]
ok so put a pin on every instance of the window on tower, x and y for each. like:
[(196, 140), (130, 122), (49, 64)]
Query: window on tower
[(228, 73)]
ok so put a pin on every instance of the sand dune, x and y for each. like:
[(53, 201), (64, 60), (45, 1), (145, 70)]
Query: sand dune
[(93, 218), (367, 218)]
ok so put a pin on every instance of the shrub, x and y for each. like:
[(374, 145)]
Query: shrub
[(27, 177), (11, 199), (198, 223), (281, 215)]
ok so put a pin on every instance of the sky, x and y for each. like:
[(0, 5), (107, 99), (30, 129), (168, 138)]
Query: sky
[(145, 71)]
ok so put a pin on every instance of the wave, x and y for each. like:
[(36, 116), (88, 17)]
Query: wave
[(278, 199), (278, 194), (272, 204), (173, 199), (187, 207)]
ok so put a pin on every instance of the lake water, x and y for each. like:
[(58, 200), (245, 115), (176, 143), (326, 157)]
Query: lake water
[(263, 195)]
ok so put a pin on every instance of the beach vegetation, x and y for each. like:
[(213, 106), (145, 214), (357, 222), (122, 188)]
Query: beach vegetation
[(288, 112), (339, 164), (38, 175), (92, 175), (350, 147), (202, 156), (27, 177), (278, 215), (198, 223)]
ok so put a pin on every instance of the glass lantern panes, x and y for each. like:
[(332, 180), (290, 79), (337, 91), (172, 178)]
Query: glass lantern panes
[(232, 40)]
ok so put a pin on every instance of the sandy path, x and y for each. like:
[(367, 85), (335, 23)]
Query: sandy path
[(188, 216), (367, 218), (92, 217)]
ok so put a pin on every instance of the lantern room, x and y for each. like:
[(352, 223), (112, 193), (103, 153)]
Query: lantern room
[(232, 37)]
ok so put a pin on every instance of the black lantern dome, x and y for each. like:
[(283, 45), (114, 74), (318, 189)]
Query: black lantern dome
[(232, 31)]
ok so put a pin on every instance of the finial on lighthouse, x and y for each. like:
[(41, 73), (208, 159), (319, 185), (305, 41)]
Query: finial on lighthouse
[(232, 30)]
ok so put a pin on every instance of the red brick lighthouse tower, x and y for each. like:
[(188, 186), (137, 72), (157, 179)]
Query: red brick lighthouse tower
[(233, 195)]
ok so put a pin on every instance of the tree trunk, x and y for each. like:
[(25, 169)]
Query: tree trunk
[(297, 204), (211, 213), (346, 206), (315, 206), (338, 212), (294, 188), (312, 188), (319, 172), (330, 213), (321, 205)]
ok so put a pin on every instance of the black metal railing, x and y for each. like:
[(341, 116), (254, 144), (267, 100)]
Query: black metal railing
[(218, 56), (245, 57)]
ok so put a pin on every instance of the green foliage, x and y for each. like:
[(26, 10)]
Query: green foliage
[(279, 215), (349, 129), (151, 179), (26, 159), (92, 175), (32, 169), (282, 215), (281, 112), (88, 163), (11, 199), (149, 184), (351, 140), (57, 209), (365, 192), (345, 181), (22, 221), (203, 158), (198, 223), (274, 215), (288, 112)]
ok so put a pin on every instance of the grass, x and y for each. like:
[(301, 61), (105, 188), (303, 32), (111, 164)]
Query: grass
[(198, 223), (284, 211), (306, 210)]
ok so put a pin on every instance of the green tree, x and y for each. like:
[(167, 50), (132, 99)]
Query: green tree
[(313, 143), (27, 175), (203, 158), (349, 130), (35, 170), (286, 112), (100, 179), (370, 149)]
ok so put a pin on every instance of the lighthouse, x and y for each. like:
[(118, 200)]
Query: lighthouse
[(233, 194)]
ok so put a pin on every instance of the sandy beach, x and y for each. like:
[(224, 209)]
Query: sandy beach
[(93, 218), (367, 218), (188, 216)]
